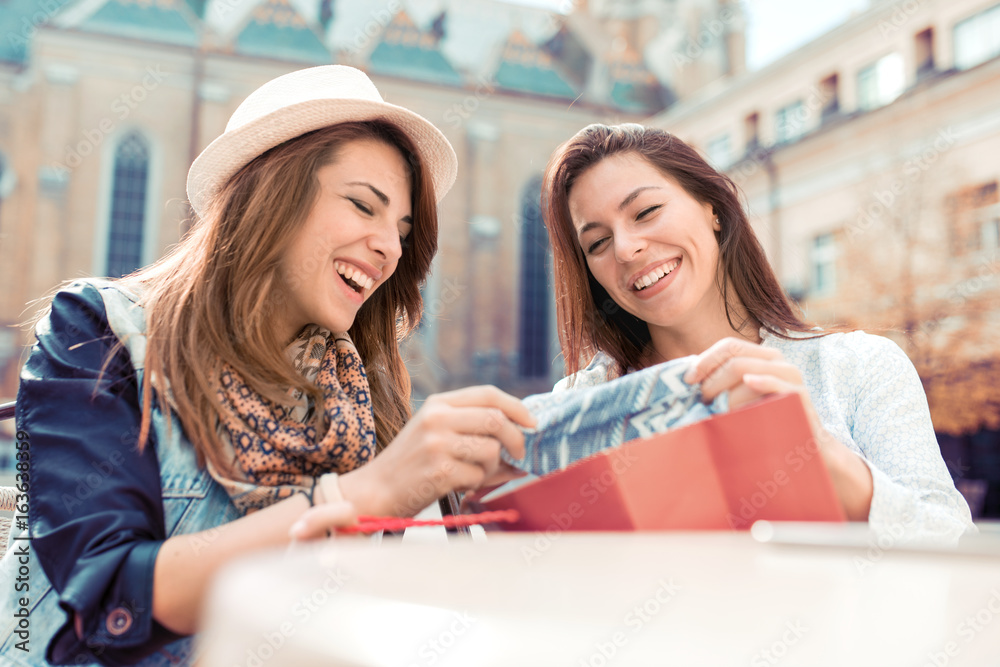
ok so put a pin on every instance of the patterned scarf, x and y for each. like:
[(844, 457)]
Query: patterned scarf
[(276, 450)]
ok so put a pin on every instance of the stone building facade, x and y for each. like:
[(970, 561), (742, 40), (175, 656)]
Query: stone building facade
[(104, 104)]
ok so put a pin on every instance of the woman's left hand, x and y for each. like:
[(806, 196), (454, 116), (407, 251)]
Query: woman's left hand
[(749, 371)]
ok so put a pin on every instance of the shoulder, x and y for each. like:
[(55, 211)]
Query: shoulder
[(597, 372), (77, 307), (854, 359), (75, 331), (857, 346)]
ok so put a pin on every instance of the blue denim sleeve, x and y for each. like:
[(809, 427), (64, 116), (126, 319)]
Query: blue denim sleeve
[(95, 512)]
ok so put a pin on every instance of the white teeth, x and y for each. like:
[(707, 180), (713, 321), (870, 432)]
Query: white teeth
[(354, 274), (655, 275)]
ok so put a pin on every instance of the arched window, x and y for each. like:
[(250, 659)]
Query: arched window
[(128, 205), (7, 179), (535, 290)]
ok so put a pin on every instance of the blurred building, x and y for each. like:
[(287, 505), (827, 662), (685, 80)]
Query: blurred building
[(104, 104), (870, 159)]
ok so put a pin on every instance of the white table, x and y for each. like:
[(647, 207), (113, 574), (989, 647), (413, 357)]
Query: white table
[(603, 599)]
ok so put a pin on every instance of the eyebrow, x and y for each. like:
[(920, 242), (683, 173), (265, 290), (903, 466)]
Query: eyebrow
[(635, 193), (378, 193), (621, 207), (382, 197)]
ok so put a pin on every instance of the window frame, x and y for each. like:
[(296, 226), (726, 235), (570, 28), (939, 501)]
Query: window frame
[(981, 21), (878, 72), (781, 116), (823, 253)]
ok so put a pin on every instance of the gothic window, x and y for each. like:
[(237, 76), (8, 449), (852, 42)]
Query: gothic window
[(128, 205), (535, 297)]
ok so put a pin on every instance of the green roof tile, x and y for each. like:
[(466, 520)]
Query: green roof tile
[(285, 43), (276, 30), (160, 21), (18, 21), (413, 62), (197, 7), (533, 80), (630, 96)]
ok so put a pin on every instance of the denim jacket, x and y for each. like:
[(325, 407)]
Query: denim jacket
[(99, 510)]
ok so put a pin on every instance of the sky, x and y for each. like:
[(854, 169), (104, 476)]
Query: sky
[(774, 27)]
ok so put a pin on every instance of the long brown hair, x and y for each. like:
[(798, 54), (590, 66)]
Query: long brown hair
[(589, 319), (212, 298)]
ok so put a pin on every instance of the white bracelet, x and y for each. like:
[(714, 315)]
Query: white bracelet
[(330, 487)]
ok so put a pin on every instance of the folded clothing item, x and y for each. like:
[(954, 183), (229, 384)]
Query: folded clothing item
[(576, 423)]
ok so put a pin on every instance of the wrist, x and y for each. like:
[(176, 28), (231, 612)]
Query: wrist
[(327, 489), (366, 494)]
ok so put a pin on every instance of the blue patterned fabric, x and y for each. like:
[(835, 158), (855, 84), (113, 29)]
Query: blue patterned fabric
[(575, 424), (867, 395)]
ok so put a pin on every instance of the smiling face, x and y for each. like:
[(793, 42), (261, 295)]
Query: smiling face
[(648, 242), (351, 240)]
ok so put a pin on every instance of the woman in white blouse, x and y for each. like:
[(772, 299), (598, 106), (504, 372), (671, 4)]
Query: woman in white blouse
[(655, 260)]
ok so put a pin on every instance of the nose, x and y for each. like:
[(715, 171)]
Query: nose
[(385, 242), (628, 244)]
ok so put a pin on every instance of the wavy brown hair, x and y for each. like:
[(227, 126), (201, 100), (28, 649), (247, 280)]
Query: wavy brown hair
[(213, 298), (589, 319)]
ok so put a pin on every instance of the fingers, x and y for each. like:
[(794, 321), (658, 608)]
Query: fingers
[(504, 473), (452, 475), (320, 520), (466, 476), (749, 390), (452, 443), (488, 396), (741, 395), (485, 410), (489, 422), (479, 450), (770, 384), (724, 350), (730, 374)]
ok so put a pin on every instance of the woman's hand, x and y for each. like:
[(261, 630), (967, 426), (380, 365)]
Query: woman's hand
[(748, 372), (452, 443)]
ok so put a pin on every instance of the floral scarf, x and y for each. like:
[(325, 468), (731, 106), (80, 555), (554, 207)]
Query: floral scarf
[(276, 450)]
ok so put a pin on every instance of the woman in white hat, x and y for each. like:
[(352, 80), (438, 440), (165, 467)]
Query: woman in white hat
[(234, 395)]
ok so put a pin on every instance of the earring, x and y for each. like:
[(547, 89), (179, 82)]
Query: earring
[(718, 225)]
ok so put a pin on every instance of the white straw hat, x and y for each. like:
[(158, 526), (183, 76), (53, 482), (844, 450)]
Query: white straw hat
[(303, 101)]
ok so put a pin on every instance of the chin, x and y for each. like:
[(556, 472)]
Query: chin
[(342, 327), (335, 324)]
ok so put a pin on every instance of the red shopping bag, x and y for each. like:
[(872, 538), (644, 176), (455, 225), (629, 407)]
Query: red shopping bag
[(756, 462)]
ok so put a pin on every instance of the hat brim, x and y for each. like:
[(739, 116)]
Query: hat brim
[(236, 148)]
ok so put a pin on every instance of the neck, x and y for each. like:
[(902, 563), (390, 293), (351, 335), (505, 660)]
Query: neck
[(699, 332)]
